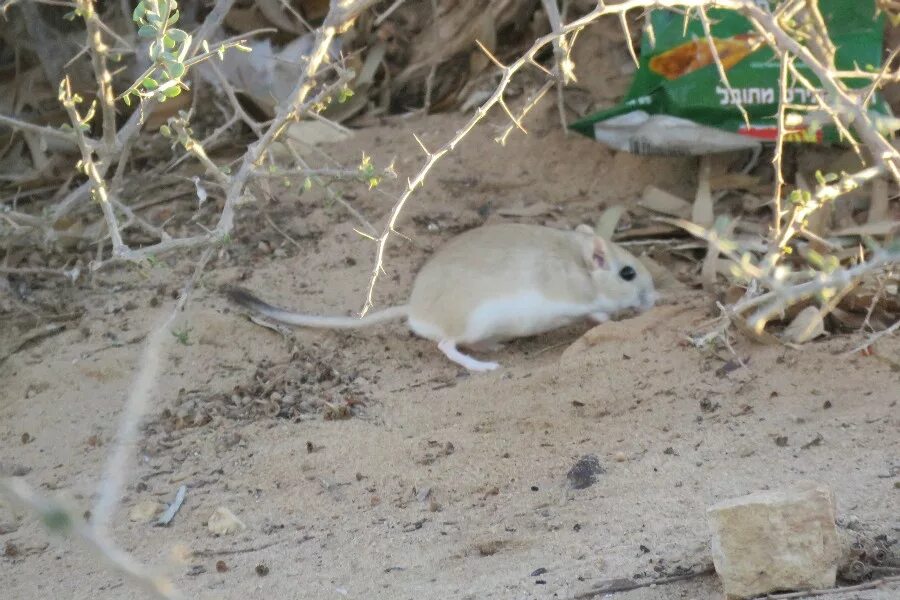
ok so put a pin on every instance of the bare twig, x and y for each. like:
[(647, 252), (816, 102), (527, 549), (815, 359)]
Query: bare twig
[(561, 58), (281, 232), (332, 195), (60, 520), (626, 585), (210, 24), (144, 384), (98, 184), (784, 296), (723, 76), (535, 98), (256, 152), (825, 193), (869, 585), (232, 98), (778, 159), (819, 40), (101, 73), (874, 338), (18, 124), (390, 10)]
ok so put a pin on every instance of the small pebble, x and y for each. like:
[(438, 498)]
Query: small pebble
[(262, 570), (144, 511), (223, 522), (620, 457)]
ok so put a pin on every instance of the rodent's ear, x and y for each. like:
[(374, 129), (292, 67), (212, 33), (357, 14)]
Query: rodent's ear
[(584, 229), (597, 253), (601, 255)]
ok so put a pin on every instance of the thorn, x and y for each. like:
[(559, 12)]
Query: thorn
[(541, 67), (405, 237), (424, 149), (490, 56), (364, 234), (511, 116), (624, 22)]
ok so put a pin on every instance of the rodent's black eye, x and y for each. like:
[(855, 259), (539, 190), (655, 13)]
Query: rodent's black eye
[(627, 273)]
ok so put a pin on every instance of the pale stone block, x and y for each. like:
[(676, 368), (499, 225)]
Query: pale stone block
[(775, 540)]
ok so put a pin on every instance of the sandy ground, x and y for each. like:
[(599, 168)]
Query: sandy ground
[(439, 484)]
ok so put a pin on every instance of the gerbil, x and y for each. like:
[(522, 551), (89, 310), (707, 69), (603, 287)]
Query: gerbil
[(499, 282)]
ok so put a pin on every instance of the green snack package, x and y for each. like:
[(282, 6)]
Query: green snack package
[(678, 104)]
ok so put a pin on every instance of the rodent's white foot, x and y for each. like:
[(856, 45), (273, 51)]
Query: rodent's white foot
[(448, 347), (484, 366)]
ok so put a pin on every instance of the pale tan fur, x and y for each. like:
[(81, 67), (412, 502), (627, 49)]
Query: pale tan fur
[(502, 260)]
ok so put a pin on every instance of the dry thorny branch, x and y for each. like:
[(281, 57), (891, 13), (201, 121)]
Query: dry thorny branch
[(775, 284)]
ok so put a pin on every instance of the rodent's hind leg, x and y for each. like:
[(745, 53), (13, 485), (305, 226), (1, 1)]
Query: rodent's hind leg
[(448, 347)]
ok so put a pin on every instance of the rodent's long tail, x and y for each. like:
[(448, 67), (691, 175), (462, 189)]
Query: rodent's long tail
[(248, 300)]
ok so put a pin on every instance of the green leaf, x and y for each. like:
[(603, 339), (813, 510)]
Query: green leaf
[(307, 184), (177, 34), (147, 31), (172, 91), (176, 70), (127, 99), (154, 50), (150, 84), (139, 12), (168, 42), (165, 130), (173, 19), (815, 259)]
